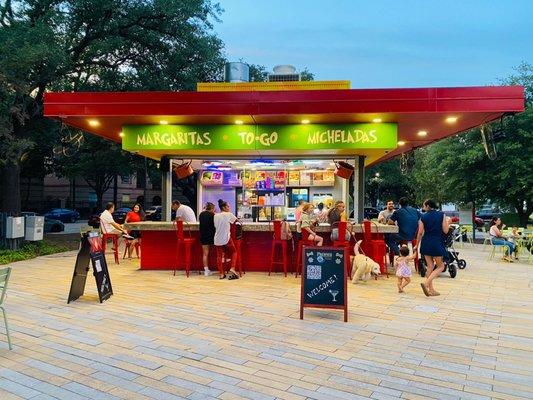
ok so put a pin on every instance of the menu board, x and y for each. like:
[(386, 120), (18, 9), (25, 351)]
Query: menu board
[(212, 178), (294, 178), (305, 178), (323, 178), (324, 278)]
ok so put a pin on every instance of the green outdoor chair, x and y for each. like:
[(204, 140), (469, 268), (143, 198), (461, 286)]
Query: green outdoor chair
[(4, 279)]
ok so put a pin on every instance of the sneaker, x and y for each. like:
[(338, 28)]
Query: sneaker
[(126, 236), (208, 272)]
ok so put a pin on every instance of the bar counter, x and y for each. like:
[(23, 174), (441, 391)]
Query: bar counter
[(159, 249)]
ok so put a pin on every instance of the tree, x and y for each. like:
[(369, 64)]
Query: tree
[(458, 170), (387, 180), (93, 45), (98, 163)]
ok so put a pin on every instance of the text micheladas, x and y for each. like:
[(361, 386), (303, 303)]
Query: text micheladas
[(247, 138)]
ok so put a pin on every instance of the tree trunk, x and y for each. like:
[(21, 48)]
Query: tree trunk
[(115, 190), (10, 194), (523, 214), (99, 197)]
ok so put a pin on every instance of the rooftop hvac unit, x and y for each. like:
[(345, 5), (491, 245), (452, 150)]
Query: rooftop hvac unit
[(284, 73)]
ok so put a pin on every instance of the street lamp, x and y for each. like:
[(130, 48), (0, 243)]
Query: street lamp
[(378, 180)]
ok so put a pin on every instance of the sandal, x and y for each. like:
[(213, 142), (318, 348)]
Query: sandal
[(425, 289), (222, 277), (233, 276)]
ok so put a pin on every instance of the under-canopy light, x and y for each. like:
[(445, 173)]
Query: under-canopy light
[(377, 120), (451, 119), (401, 143), (238, 122), (305, 121), (163, 122), (422, 133), (94, 123)]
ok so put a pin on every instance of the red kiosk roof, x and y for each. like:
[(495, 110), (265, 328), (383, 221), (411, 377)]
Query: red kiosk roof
[(414, 110)]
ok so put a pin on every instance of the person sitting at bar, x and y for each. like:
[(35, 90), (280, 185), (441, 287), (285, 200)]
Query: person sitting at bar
[(337, 214), (223, 241), (406, 218), (181, 212), (298, 211), (384, 216), (108, 224), (307, 222), (207, 233), (135, 215), (321, 213)]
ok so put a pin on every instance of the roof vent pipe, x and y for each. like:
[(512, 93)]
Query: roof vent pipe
[(236, 72)]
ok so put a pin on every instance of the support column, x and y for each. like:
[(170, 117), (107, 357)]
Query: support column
[(166, 188), (359, 189)]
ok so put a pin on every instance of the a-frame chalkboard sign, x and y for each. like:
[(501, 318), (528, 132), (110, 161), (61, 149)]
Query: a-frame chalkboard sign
[(90, 250), (324, 279)]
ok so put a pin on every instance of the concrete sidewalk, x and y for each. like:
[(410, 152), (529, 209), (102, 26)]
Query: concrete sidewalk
[(168, 337)]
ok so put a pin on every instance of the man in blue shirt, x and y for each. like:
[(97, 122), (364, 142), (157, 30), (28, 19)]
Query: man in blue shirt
[(407, 219)]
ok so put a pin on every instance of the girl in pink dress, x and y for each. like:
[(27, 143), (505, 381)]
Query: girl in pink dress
[(403, 269)]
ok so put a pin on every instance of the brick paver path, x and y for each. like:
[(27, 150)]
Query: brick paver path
[(166, 337)]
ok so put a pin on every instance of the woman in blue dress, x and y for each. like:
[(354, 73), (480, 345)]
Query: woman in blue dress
[(431, 229)]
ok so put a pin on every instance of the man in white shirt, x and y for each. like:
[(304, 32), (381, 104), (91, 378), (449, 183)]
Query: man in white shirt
[(182, 212), (108, 224), (384, 216)]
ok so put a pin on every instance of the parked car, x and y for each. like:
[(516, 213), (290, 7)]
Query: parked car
[(371, 213), (63, 214), (154, 213), (53, 225), (488, 213), (119, 215), (94, 221)]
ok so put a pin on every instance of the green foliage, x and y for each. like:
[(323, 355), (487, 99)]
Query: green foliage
[(98, 162), (28, 251), (93, 46), (391, 183), (458, 170)]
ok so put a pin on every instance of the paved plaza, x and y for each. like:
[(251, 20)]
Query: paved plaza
[(166, 337)]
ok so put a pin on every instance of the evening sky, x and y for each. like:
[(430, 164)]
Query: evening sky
[(383, 43)]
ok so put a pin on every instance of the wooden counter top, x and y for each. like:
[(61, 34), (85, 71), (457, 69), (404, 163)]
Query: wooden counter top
[(249, 227)]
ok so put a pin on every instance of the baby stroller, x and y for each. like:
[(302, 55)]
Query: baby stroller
[(451, 257)]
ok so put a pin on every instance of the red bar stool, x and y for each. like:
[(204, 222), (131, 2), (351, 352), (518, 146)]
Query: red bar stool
[(304, 241), (278, 241), (221, 260), (136, 245), (236, 236), (110, 236), (376, 249), (341, 241), (187, 243)]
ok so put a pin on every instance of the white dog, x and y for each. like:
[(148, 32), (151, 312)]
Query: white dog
[(363, 267)]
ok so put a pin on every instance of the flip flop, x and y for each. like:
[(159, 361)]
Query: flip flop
[(425, 289), (222, 277), (233, 276)]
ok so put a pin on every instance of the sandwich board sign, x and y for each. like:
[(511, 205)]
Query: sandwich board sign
[(90, 251), (324, 279)]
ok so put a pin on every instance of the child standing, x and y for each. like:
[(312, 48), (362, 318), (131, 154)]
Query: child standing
[(403, 269)]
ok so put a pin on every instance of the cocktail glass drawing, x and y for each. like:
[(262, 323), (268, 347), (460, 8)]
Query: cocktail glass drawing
[(334, 294)]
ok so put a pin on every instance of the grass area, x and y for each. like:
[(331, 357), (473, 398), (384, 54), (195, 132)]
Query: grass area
[(30, 250)]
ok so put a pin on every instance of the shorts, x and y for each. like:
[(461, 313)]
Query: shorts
[(229, 248), (207, 241)]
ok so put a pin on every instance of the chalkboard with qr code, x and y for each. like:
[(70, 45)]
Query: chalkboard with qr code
[(324, 276)]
